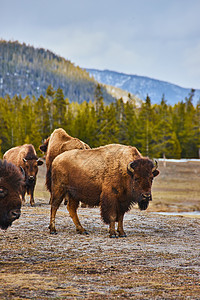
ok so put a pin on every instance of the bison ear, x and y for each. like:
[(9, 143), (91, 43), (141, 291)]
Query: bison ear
[(155, 173), (39, 162), (43, 148), (3, 192)]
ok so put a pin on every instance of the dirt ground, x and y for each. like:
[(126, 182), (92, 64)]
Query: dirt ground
[(159, 258)]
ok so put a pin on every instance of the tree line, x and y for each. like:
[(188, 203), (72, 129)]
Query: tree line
[(156, 130)]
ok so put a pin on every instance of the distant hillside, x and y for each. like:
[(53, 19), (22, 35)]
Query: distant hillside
[(29, 71), (141, 86), (122, 94)]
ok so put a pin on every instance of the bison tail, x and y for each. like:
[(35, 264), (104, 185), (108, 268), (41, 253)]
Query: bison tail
[(48, 179)]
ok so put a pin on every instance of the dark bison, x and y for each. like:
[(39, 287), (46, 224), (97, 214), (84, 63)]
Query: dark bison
[(59, 142), (114, 177), (11, 182), (25, 157)]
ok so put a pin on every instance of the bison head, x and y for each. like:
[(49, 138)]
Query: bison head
[(142, 172), (11, 182), (30, 167)]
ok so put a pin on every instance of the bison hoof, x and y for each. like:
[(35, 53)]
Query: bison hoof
[(53, 232), (85, 232), (112, 236), (122, 235), (82, 232)]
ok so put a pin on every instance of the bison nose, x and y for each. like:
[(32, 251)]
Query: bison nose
[(15, 214), (31, 178), (147, 196)]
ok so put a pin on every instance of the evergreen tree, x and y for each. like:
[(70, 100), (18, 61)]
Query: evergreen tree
[(120, 121), (50, 95), (99, 102), (145, 122), (99, 113), (131, 124), (42, 112), (59, 109), (110, 130)]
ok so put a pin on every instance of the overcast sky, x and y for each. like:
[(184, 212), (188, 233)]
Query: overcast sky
[(155, 38)]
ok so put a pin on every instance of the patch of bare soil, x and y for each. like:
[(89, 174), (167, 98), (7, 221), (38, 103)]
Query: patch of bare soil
[(159, 258)]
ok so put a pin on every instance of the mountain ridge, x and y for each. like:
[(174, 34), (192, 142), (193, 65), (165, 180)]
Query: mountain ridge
[(141, 86), (28, 71)]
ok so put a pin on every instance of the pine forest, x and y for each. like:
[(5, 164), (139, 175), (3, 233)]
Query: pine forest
[(158, 130)]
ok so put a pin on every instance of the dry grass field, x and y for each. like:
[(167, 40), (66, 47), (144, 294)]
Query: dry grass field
[(177, 188), (159, 258)]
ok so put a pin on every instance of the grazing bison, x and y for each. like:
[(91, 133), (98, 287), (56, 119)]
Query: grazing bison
[(25, 157), (57, 143), (11, 182), (114, 177)]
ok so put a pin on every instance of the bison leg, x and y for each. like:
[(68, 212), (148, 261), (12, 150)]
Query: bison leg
[(55, 203), (52, 219), (120, 228), (32, 202), (109, 211), (112, 230), (23, 196), (72, 206)]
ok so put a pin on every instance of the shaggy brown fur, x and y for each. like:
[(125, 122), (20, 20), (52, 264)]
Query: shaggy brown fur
[(114, 177), (25, 157), (57, 143), (11, 183)]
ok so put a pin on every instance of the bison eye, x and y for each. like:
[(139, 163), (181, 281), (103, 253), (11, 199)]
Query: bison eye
[(136, 178), (3, 192)]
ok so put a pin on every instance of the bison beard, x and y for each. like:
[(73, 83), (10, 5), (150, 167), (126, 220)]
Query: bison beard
[(30, 185), (143, 204)]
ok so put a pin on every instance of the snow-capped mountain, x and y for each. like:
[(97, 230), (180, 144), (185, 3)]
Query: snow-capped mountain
[(142, 86)]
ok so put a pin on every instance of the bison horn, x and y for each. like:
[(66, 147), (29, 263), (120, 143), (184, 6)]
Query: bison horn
[(155, 166), (24, 159), (130, 168), (22, 171)]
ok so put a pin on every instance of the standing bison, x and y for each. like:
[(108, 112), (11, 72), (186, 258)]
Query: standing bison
[(114, 177), (25, 157), (59, 142), (11, 182)]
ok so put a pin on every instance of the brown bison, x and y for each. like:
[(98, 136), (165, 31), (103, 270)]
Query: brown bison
[(11, 182), (25, 157), (114, 177), (58, 142)]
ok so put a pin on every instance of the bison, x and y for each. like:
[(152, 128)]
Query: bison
[(58, 142), (25, 157), (113, 176), (11, 182)]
